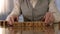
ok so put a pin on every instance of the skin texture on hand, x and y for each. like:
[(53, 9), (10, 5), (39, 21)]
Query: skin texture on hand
[(49, 18), (12, 19)]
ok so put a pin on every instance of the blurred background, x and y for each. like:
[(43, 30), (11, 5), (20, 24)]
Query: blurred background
[(6, 7)]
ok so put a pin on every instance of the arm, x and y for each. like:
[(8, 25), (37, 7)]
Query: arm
[(54, 10), (15, 13), (16, 10)]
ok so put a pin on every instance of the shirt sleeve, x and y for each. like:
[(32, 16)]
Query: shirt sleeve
[(54, 10), (16, 10)]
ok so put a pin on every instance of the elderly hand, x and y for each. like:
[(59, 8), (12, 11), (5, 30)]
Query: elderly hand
[(49, 18), (11, 19)]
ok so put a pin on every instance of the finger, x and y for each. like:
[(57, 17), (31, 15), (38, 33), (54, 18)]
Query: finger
[(51, 18), (11, 19), (47, 18), (47, 22), (9, 22)]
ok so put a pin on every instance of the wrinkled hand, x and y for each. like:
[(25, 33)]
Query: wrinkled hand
[(49, 18), (11, 19)]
